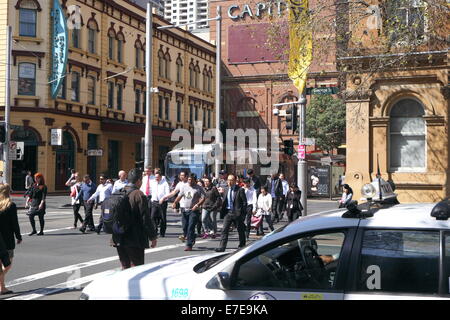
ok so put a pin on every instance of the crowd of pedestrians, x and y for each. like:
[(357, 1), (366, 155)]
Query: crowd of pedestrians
[(242, 202)]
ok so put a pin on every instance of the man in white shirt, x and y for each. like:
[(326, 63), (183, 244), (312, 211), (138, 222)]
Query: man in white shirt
[(2, 178), (121, 183), (103, 192), (285, 185), (159, 190), (250, 193)]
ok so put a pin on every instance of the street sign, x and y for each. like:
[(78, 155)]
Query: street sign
[(309, 141), (95, 153), (56, 137), (324, 90), (302, 151)]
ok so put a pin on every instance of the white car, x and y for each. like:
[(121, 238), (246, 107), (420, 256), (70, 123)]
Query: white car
[(392, 252)]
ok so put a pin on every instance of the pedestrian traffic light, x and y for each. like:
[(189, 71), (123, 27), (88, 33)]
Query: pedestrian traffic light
[(291, 118), (288, 147), (2, 132)]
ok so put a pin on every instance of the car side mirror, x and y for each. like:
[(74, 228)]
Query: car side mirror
[(220, 281)]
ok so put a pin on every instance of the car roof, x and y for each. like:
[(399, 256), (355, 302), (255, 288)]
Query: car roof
[(397, 216)]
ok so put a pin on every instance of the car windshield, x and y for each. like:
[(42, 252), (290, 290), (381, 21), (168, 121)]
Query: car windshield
[(214, 261)]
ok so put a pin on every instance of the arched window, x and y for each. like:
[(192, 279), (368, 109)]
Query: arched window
[(210, 80), (407, 136), (197, 77), (111, 40), (161, 64), (205, 79), (138, 54), (179, 70), (28, 17), (167, 65), (192, 75), (92, 36), (120, 42)]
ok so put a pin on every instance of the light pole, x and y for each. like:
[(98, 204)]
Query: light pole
[(148, 140), (302, 165), (6, 161), (218, 19)]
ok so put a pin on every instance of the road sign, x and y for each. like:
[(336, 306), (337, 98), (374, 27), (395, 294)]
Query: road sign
[(302, 151), (324, 90), (95, 153), (309, 141)]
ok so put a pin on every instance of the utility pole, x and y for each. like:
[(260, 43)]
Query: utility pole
[(7, 162), (219, 138), (148, 149), (302, 165)]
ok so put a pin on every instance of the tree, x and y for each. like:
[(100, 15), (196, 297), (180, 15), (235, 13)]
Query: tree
[(325, 121)]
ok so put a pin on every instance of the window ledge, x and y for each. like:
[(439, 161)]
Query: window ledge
[(93, 55), (117, 64), (139, 71), (26, 97), (77, 50), (164, 80), (408, 170), (28, 39), (179, 85)]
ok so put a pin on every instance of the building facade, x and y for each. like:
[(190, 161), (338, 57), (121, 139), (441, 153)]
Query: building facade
[(254, 71), (101, 105), (397, 115)]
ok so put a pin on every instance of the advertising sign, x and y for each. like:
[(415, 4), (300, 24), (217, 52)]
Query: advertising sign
[(59, 48), (301, 151), (319, 181), (56, 137)]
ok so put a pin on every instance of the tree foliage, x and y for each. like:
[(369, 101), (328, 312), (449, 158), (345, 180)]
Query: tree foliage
[(325, 121)]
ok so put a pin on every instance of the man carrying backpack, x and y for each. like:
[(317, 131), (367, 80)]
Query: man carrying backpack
[(137, 227)]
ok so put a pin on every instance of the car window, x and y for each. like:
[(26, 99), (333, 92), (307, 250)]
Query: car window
[(306, 262), (447, 262), (399, 261)]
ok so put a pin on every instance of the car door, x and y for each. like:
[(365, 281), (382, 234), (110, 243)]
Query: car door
[(399, 264), (307, 266)]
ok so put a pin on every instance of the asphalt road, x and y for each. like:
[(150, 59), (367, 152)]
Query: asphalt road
[(58, 265)]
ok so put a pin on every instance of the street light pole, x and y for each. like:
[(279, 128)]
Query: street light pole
[(6, 161), (302, 165), (148, 150), (219, 138)]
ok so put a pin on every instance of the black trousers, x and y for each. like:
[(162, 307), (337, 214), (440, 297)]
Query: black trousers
[(88, 216), (293, 214), (40, 214), (269, 222), (276, 205), (248, 220), (239, 222), (76, 214), (159, 216)]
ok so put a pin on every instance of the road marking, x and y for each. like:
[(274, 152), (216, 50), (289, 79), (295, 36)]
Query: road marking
[(50, 273), (39, 293), (50, 230)]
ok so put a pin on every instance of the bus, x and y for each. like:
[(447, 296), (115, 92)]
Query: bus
[(198, 160)]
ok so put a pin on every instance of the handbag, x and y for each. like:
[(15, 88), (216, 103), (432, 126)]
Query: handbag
[(256, 221)]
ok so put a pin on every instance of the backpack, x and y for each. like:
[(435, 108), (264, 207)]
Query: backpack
[(116, 213)]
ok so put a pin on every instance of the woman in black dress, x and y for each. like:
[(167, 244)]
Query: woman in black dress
[(294, 206), (36, 196), (9, 231)]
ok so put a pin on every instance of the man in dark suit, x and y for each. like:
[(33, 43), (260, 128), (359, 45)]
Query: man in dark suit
[(233, 210), (274, 186), (256, 182)]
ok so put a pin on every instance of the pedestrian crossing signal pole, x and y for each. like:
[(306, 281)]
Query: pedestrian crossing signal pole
[(302, 165), (6, 161)]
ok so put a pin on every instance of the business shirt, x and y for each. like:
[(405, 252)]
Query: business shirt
[(159, 190), (285, 187), (86, 191), (119, 185), (102, 193), (250, 194)]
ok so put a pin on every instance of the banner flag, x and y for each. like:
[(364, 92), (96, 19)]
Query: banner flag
[(59, 48), (300, 42)]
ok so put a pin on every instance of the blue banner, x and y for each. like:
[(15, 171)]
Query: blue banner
[(59, 48)]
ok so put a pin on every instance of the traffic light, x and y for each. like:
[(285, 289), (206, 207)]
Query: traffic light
[(288, 147), (2, 132), (292, 118)]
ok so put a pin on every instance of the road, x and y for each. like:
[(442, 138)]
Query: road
[(58, 265)]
